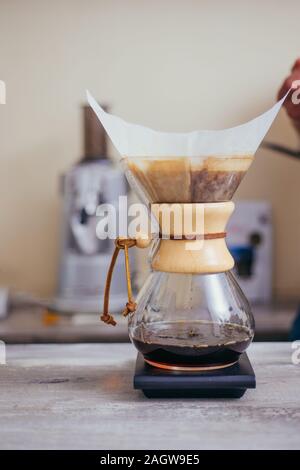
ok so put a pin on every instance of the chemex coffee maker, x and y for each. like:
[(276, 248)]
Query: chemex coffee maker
[(190, 323)]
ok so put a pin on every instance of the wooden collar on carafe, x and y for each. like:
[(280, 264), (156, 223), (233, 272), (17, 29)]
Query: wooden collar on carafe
[(214, 219), (193, 253)]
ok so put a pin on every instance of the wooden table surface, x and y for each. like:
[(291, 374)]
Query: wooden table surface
[(81, 397)]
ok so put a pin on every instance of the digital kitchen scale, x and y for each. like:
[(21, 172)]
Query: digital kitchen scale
[(230, 382)]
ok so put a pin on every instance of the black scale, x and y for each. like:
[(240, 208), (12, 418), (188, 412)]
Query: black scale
[(230, 382)]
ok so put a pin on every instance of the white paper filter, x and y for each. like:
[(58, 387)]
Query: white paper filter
[(132, 140)]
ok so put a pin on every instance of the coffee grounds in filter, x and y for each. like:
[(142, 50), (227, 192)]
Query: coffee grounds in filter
[(185, 180)]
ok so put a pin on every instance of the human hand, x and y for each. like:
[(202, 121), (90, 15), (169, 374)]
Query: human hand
[(292, 109)]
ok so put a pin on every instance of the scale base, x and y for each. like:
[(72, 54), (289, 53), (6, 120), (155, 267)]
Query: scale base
[(231, 382)]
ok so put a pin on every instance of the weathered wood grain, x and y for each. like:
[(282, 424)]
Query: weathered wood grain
[(81, 397)]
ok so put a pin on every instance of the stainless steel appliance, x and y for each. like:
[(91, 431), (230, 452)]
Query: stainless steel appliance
[(94, 180)]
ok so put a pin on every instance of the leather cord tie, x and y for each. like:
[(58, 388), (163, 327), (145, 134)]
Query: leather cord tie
[(204, 236), (120, 244)]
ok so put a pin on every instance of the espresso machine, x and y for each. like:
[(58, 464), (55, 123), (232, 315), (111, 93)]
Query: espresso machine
[(84, 255), (190, 323)]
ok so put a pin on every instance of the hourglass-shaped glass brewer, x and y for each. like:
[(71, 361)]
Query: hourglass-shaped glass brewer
[(191, 313)]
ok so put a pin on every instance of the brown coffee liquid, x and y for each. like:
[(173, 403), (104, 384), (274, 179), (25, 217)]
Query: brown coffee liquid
[(199, 343)]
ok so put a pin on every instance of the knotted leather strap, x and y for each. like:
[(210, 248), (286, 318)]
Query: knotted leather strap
[(120, 244)]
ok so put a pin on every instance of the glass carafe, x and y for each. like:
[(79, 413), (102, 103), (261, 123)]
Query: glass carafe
[(198, 319), (191, 320)]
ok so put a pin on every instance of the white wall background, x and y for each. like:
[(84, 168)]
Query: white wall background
[(169, 64)]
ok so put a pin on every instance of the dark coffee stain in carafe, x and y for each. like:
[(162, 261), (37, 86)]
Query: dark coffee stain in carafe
[(199, 343), (214, 186)]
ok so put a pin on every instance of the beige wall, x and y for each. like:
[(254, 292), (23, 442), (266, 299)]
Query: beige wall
[(171, 64)]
